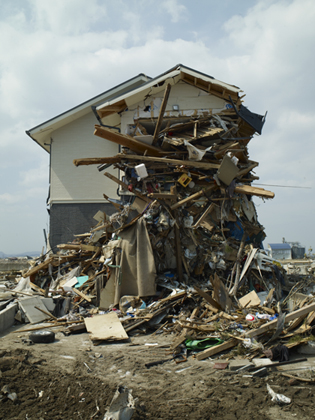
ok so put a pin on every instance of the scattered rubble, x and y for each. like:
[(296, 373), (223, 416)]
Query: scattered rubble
[(182, 255)]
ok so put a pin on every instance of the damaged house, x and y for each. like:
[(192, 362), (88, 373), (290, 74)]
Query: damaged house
[(76, 196)]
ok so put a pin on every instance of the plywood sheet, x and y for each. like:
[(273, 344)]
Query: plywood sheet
[(105, 327)]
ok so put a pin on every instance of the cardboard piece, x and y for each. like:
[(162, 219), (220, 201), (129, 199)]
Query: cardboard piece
[(105, 327), (251, 300)]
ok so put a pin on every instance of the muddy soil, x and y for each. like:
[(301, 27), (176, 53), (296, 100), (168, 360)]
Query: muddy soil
[(71, 379)]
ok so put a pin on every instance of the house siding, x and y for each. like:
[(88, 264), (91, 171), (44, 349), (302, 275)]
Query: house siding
[(82, 184), (69, 219)]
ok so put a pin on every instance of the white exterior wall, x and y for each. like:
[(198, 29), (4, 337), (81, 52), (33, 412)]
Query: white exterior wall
[(191, 101), (84, 184)]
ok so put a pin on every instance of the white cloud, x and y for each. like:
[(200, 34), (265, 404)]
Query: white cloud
[(9, 199), (67, 17), (176, 10)]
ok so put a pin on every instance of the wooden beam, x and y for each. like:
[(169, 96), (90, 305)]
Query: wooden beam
[(259, 192), (112, 109), (217, 349), (204, 215), (97, 161), (126, 141), (79, 247), (175, 162), (39, 267), (163, 196), (246, 170), (273, 324), (161, 113), (208, 298), (193, 197), (178, 249), (81, 294), (125, 186)]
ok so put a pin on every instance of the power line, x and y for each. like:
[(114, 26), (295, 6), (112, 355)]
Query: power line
[(283, 186)]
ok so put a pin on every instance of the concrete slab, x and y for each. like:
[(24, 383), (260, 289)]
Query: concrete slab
[(7, 317), (33, 314), (49, 303)]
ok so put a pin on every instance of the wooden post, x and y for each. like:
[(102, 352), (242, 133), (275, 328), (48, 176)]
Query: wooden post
[(161, 113), (178, 250)]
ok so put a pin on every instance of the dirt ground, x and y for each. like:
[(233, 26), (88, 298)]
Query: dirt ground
[(72, 379)]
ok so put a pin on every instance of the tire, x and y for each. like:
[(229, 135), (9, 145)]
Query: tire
[(43, 336)]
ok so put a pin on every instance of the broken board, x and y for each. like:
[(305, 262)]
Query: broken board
[(105, 327)]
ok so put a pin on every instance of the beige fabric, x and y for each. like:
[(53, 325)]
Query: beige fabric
[(136, 273)]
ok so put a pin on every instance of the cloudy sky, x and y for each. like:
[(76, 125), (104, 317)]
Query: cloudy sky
[(55, 54)]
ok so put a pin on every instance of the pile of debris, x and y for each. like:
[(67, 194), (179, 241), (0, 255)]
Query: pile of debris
[(183, 253)]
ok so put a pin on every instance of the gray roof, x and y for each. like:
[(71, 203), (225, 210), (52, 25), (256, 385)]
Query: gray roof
[(280, 246)]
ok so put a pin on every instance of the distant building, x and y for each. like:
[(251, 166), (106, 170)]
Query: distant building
[(282, 251), (298, 251)]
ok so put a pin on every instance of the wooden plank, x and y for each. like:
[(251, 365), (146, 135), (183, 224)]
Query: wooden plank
[(178, 295), (208, 298), (79, 247), (296, 322), (163, 196), (126, 141), (193, 197), (217, 349), (178, 249), (175, 162), (161, 113), (246, 170), (273, 324), (81, 294), (310, 318), (204, 215), (38, 267), (259, 192), (97, 161), (221, 294), (37, 288), (125, 186)]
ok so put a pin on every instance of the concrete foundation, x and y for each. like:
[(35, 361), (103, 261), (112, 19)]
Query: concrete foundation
[(7, 317)]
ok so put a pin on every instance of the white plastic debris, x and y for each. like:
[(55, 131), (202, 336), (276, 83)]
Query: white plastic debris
[(122, 406), (278, 398), (141, 171), (193, 152)]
